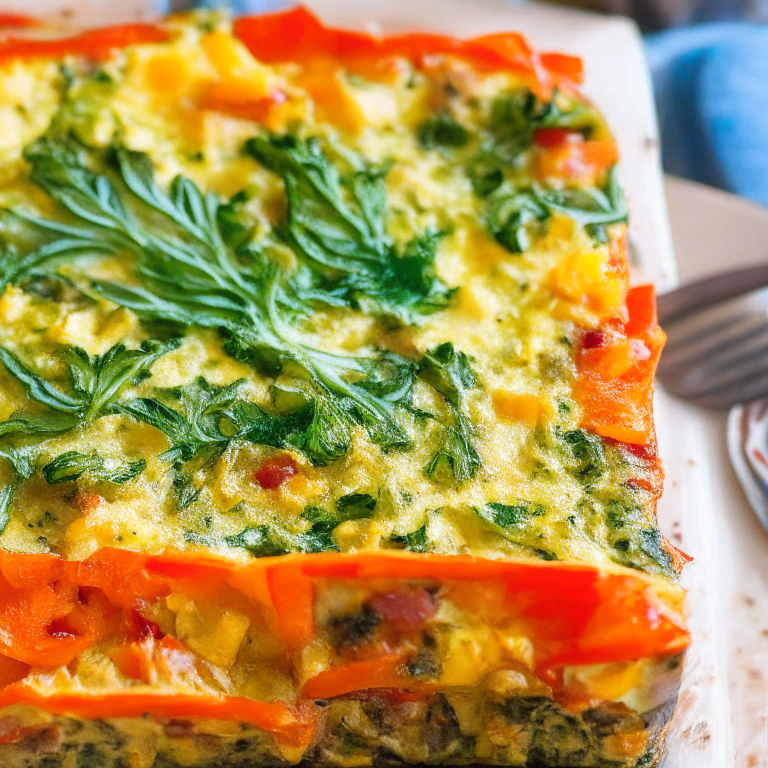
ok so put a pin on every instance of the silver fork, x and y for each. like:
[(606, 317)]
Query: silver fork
[(717, 338), (717, 356)]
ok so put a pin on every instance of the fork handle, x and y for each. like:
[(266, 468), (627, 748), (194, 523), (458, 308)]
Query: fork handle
[(697, 294)]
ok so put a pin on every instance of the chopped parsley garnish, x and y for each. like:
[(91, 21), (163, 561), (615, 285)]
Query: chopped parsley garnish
[(337, 227), (95, 387), (187, 272)]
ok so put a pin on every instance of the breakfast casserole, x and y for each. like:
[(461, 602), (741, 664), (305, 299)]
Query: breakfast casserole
[(326, 427)]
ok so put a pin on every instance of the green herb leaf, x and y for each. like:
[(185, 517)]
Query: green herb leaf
[(96, 384), (416, 541), (343, 238), (513, 522), (355, 506), (259, 541), (188, 272), (585, 454), (201, 420), (450, 373), (589, 206), (442, 132), (198, 422), (516, 216), (319, 537), (72, 465), (184, 492), (512, 217)]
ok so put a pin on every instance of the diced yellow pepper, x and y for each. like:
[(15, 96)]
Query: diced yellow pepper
[(471, 654), (241, 77), (168, 73), (334, 103), (472, 302), (584, 277), (518, 406), (215, 633)]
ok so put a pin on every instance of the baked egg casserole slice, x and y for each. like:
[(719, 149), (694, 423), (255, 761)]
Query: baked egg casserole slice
[(326, 430)]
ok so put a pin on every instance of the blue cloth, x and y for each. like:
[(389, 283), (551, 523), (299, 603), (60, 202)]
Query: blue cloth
[(711, 85)]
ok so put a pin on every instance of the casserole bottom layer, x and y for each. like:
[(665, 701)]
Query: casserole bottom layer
[(458, 728)]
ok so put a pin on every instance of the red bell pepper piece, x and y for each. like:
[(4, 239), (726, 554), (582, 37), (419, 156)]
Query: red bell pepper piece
[(298, 35), (621, 406), (96, 44)]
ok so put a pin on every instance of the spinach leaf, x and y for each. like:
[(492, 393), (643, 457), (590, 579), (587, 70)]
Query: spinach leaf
[(319, 537), (184, 492), (259, 541), (515, 216), (589, 206), (96, 384), (23, 469), (415, 541), (584, 453), (513, 522), (201, 420), (72, 465), (268, 541), (198, 424), (637, 542), (449, 372), (442, 131)]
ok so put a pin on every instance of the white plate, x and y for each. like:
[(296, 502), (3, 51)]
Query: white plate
[(715, 231)]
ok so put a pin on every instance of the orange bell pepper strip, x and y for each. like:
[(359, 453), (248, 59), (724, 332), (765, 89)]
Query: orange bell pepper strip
[(134, 660), (381, 672), (46, 618), (11, 671), (572, 610), (96, 44), (298, 35), (614, 384), (17, 20), (51, 610), (293, 724), (293, 598)]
